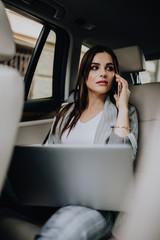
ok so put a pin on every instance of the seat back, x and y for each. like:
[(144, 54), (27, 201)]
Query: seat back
[(146, 99), (11, 96), (142, 222)]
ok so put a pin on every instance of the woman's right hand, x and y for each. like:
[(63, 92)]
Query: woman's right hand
[(124, 93)]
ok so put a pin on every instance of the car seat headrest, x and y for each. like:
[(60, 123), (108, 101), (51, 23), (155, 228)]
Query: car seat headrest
[(131, 59), (7, 45)]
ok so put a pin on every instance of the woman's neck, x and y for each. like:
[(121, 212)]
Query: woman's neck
[(94, 107), (96, 102)]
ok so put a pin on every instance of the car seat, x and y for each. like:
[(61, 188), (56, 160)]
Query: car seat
[(11, 96), (143, 221)]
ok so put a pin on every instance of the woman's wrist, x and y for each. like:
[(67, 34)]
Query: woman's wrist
[(123, 109), (122, 126), (122, 130), (126, 127)]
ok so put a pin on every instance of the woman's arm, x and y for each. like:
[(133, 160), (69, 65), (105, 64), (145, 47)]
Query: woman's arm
[(132, 137), (125, 130), (122, 127)]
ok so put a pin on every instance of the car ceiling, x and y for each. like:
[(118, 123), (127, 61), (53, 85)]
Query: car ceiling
[(116, 23)]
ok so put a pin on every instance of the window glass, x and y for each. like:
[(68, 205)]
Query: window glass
[(41, 86), (83, 50), (25, 32), (152, 73)]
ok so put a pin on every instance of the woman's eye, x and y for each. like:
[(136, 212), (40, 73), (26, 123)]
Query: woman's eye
[(94, 67), (109, 68)]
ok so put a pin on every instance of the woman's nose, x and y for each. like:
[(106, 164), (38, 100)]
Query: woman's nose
[(103, 72)]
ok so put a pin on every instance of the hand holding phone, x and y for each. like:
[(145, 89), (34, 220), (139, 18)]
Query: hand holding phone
[(122, 93)]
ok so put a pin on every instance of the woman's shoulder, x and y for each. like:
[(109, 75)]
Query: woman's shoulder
[(61, 114), (67, 106), (64, 110)]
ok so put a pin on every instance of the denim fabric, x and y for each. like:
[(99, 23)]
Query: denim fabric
[(77, 223)]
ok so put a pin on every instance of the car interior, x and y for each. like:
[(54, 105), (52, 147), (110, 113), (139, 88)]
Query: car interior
[(41, 45)]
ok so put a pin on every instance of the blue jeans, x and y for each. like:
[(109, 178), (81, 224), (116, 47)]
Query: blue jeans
[(77, 223)]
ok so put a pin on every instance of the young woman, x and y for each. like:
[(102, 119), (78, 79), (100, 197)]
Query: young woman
[(99, 114)]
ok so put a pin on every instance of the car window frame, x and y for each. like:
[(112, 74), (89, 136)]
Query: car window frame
[(37, 109), (61, 53)]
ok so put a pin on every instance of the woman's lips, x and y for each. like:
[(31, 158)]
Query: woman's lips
[(102, 82)]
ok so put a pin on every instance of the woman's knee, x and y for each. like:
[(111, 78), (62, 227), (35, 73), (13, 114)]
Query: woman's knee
[(75, 223)]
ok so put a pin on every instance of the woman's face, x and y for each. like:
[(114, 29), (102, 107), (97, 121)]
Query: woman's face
[(101, 74)]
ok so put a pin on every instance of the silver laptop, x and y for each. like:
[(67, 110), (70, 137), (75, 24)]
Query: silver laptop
[(97, 176)]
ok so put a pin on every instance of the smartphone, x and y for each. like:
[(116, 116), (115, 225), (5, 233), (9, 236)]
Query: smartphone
[(116, 86), (117, 89)]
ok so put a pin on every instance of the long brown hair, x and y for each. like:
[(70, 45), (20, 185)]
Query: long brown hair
[(81, 91)]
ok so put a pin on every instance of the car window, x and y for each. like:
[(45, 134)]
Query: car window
[(41, 86), (83, 50), (152, 73), (25, 39)]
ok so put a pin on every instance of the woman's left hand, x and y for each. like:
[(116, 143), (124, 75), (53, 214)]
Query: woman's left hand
[(124, 93)]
